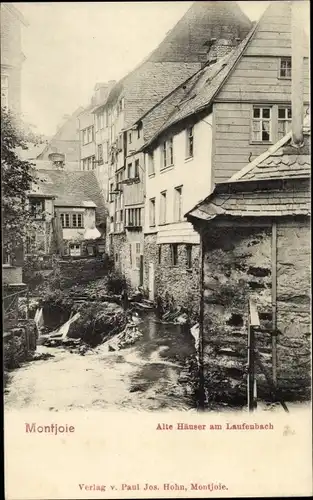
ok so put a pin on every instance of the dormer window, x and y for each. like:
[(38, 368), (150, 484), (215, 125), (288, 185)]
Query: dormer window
[(285, 68)]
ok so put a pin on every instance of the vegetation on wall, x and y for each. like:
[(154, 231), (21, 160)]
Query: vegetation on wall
[(17, 177)]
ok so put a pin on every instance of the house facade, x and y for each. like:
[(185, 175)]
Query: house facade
[(228, 117), (255, 245), (67, 223), (65, 141), (87, 154), (177, 59), (12, 56)]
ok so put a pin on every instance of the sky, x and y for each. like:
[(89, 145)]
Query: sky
[(71, 46)]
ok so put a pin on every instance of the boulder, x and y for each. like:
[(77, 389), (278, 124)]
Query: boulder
[(97, 321)]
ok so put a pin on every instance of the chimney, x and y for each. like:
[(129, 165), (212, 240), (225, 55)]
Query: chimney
[(297, 46), (218, 48), (57, 159)]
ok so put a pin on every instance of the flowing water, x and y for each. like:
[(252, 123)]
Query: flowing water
[(145, 376)]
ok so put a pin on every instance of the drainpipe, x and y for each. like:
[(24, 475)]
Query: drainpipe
[(297, 75)]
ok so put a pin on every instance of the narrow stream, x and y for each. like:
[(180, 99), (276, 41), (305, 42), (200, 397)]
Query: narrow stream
[(149, 375)]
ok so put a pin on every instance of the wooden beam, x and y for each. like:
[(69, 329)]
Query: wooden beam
[(297, 74), (254, 315), (274, 302), (201, 321)]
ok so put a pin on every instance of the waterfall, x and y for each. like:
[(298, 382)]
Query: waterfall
[(63, 330), (39, 320)]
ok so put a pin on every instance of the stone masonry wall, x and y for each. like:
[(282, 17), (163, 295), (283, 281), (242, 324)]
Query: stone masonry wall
[(175, 285), (18, 343), (293, 306), (237, 265), (119, 252)]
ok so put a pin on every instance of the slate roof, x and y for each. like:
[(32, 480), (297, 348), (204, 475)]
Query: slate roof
[(177, 57), (281, 161), (72, 166), (294, 200), (254, 191), (71, 189), (151, 83), (207, 83)]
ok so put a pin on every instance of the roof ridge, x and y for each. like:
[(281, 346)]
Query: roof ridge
[(247, 168), (236, 54)]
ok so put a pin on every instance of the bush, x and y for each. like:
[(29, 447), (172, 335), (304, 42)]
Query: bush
[(97, 322), (116, 283)]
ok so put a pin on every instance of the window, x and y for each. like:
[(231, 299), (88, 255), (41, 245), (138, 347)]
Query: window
[(167, 153), (151, 164), (6, 258), (88, 135), (189, 148), (105, 152), (189, 256), (4, 91), (65, 220), (121, 105), (163, 208), (285, 68), (178, 209), (74, 220), (137, 255), (120, 142), (100, 121), (133, 217), (111, 195), (75, 250), (91, 163), (130, 254), (130, 137), (138, 133), (284, 121), (37, 207), (130, 171), (100, 154), (152, 212), (159, 254), (136, 168), (174, 253), (261, 124)]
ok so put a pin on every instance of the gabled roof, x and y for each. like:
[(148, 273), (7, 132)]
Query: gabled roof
[(65, 140), (181, 46), (212, 78), (207, 83), (16, 12), (70, 166), (282, 160), (70, 189)]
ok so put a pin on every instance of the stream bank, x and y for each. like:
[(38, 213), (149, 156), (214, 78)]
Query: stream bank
[(153, 373)]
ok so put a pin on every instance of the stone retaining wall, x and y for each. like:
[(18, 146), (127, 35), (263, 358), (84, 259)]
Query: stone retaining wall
[(237, 266), (19, 342)]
